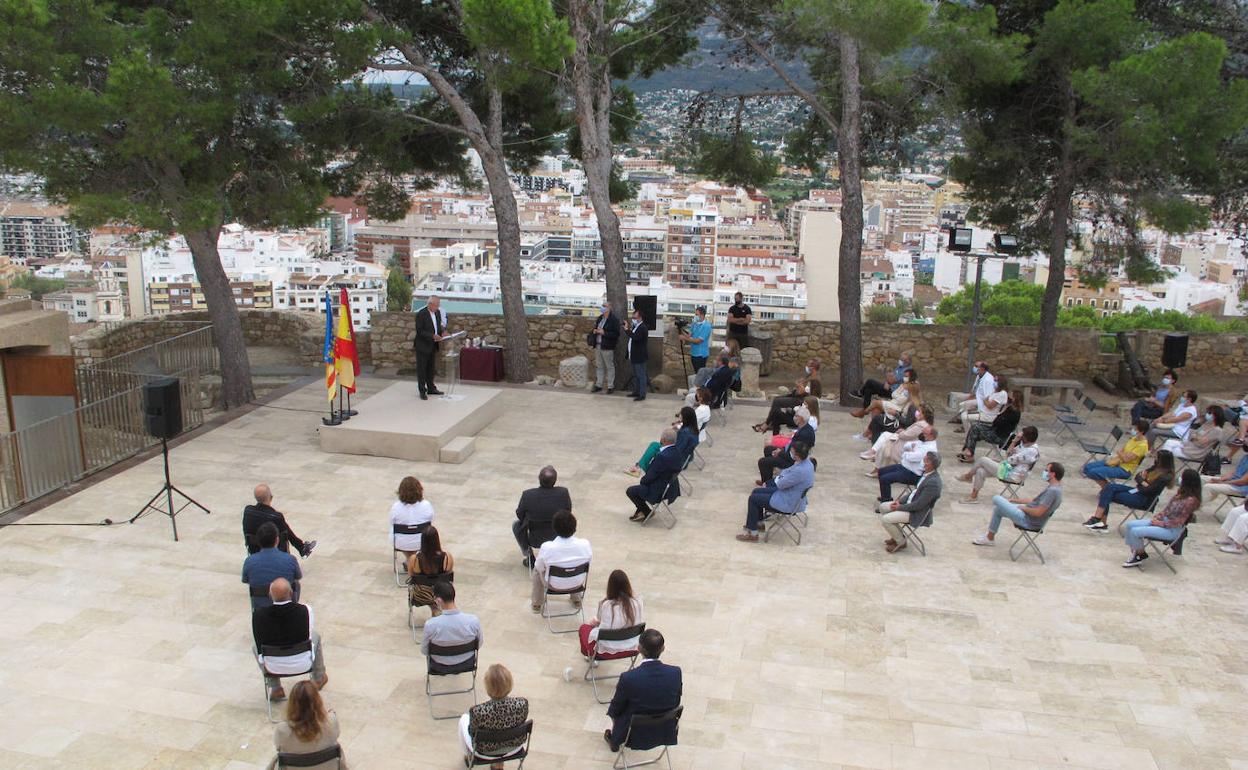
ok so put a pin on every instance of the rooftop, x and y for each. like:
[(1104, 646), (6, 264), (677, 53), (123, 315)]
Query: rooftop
[(122, 648)]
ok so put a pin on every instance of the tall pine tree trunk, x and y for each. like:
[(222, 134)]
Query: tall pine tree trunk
[(849, 159), (1059, 231), (592, 90), (227, 326)]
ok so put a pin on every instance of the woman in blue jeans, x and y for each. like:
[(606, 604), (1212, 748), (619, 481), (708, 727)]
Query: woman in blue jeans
[(1121, 464), (1148, 487), (1168, 524)]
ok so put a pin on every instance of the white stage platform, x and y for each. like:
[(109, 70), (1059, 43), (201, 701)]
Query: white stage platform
[(396, 423)]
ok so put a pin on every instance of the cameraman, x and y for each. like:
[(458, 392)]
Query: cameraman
[(698, 335)]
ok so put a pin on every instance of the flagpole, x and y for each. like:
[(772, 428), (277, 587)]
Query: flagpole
[(350, 412), (333, 419), (342, 416)]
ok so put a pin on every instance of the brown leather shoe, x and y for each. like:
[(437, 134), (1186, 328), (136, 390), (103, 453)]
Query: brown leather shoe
[(321, 684), (745, 537), (890, 541), (895, 547), (277, 693)]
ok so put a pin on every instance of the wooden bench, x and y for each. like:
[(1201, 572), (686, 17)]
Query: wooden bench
[(1025, 384)]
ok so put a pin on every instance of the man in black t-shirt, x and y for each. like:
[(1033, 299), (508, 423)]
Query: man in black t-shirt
[(739, 317)]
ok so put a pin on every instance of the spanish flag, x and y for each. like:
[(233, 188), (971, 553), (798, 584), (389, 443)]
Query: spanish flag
[(327, 354), (344, 345)]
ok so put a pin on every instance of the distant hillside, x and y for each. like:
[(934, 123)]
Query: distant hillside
[(710, 68)]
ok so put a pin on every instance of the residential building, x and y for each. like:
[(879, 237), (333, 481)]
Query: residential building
[(690, 255), (31, 230), (177, 296), (1105, 300)]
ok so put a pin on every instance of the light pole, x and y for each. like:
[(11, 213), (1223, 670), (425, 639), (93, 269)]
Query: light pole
[(1003, 245)]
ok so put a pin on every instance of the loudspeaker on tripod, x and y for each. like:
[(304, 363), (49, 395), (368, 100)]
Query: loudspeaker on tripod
[(1174, 351), (162, 407), (649, 307)]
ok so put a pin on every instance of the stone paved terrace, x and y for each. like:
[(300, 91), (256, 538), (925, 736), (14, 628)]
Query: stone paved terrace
[(120, 648)]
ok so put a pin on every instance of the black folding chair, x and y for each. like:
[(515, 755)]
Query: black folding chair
[(1101, 448), (1159, 548), (1137, 513), (1069, 421), (664, 505), (552, 571), (791, 522), (274, 653), (1030, 535), (434, 668), (597, 657), (400, 560), (511, 734), (911, 534), (646, 721), (311, 759), (419, 579)]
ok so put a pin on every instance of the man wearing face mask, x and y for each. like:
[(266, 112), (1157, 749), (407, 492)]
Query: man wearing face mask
[(698, 335), (638, 354), (981, 390), (603, 339), (1160, 402), (1030, 514), (876, 389)]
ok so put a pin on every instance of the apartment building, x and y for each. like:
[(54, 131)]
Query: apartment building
[(689, 261), (31, 230)]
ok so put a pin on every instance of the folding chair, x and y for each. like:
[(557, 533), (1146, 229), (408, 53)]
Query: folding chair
[(721, 405), (647, 721), (911, 534), (300, 655), (500, 736), (1030, 535), (1187, 462), (400, 559), (686, 486), (790, 522), (422, 580), (1012, 489), (612, 635), (1064, 409), (311, 759), (571, 591), (1217, 512), (1159, 548), (997, 451), (1070, 421), (539, 533), (1137, 513), (1102, 448), (664, 505), (466, 666)]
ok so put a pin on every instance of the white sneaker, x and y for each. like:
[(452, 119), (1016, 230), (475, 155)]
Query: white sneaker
[(867, 455), (1232, 548), (1223, 541), (860, 437), (983, 540)]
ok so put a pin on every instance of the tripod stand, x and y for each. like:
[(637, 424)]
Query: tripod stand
[(168, 490)]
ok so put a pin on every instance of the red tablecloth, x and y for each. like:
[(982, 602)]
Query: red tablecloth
[(481, 364)]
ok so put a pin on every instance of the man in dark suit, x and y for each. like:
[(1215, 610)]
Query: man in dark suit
[(282, 624), (606, 336), (651, 688), (430, 330), (262, 511), (663, 468), (639, 353), (914, 508), (537, 509), (774, 459)]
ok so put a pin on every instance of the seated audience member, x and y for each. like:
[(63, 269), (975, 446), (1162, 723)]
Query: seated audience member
[(1167, 524), (687, 432), (413, 510), (308, 728), (268, 564), (781, 412), (1149, 485), (778, 457), (1020, 457), (809, 410), (1028, 514), (906, 393), (887, 448), (875, 389), (1239, 411), (564, 551), (723, 376), (1233, 482), (1162, 400), (1123, 462), (651, 688), (883, 423), (1234, 531), (986, 409), (996, 432), (621, 609), (652, 486), (1200, 442), (262, 511), (910, 468), (914, 508), (1177, 422), (429, 561), (702, 410), (283, 623), (537, 509), (501, 712), (782, 493), (450, 626), (983, 386)]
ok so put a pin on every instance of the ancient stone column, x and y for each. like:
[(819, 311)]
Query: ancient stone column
[(751, 360)]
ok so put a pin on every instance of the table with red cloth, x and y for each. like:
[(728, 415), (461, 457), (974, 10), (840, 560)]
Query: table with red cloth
[(485, 364)]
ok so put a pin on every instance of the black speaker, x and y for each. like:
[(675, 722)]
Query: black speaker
[(162, 407), (1174, 351), (649, 307)]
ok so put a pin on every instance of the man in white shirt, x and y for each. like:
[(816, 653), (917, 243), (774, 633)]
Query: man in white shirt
[(910, 469), (986, 408), (564, 551), (984, 386)]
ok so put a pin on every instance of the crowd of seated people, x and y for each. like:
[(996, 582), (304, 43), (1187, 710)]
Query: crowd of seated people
[(910, 468), (660, 474), (782, 492), (907, 394), (780, 413), (888, 446), (996, 431), (1198, 443), (986, 409), (1122, 462), (777, 454), (873, 389), (1149, 485), (1021, 455), (1175, 423), (1162, 400)]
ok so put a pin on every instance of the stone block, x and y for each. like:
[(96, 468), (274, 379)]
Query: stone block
[(457, 450), (574, 372), (662, 383)]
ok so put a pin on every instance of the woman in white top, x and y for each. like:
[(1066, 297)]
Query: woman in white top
[(887, 448), (411, 509), (703, 412), (621, 609)]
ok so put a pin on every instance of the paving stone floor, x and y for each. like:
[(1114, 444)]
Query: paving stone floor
[(122, 649)]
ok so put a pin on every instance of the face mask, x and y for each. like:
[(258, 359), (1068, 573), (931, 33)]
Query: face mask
[(1045, 475), (975, 370), (1135, 433), (1243, 404), (604, 308), (808, 370), (906, 378), (1208, 418), (900, 362), (1167, 381)]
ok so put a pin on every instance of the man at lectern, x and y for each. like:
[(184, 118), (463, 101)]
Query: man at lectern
[(430, 330)]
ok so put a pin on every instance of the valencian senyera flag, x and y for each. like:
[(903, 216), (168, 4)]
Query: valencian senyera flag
[(344, 345), (331, 381)]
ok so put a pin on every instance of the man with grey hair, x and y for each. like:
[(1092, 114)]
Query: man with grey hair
[(430, 330), (652, 487), (537, 510), (915, 507), (604, 339)]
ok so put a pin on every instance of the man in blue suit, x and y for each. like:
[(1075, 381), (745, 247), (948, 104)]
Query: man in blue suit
[(651, 688), (663, 468), (782, 493), (638, 354)]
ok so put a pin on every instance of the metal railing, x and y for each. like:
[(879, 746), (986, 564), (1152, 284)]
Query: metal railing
[(124, 372), (49, 454)]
